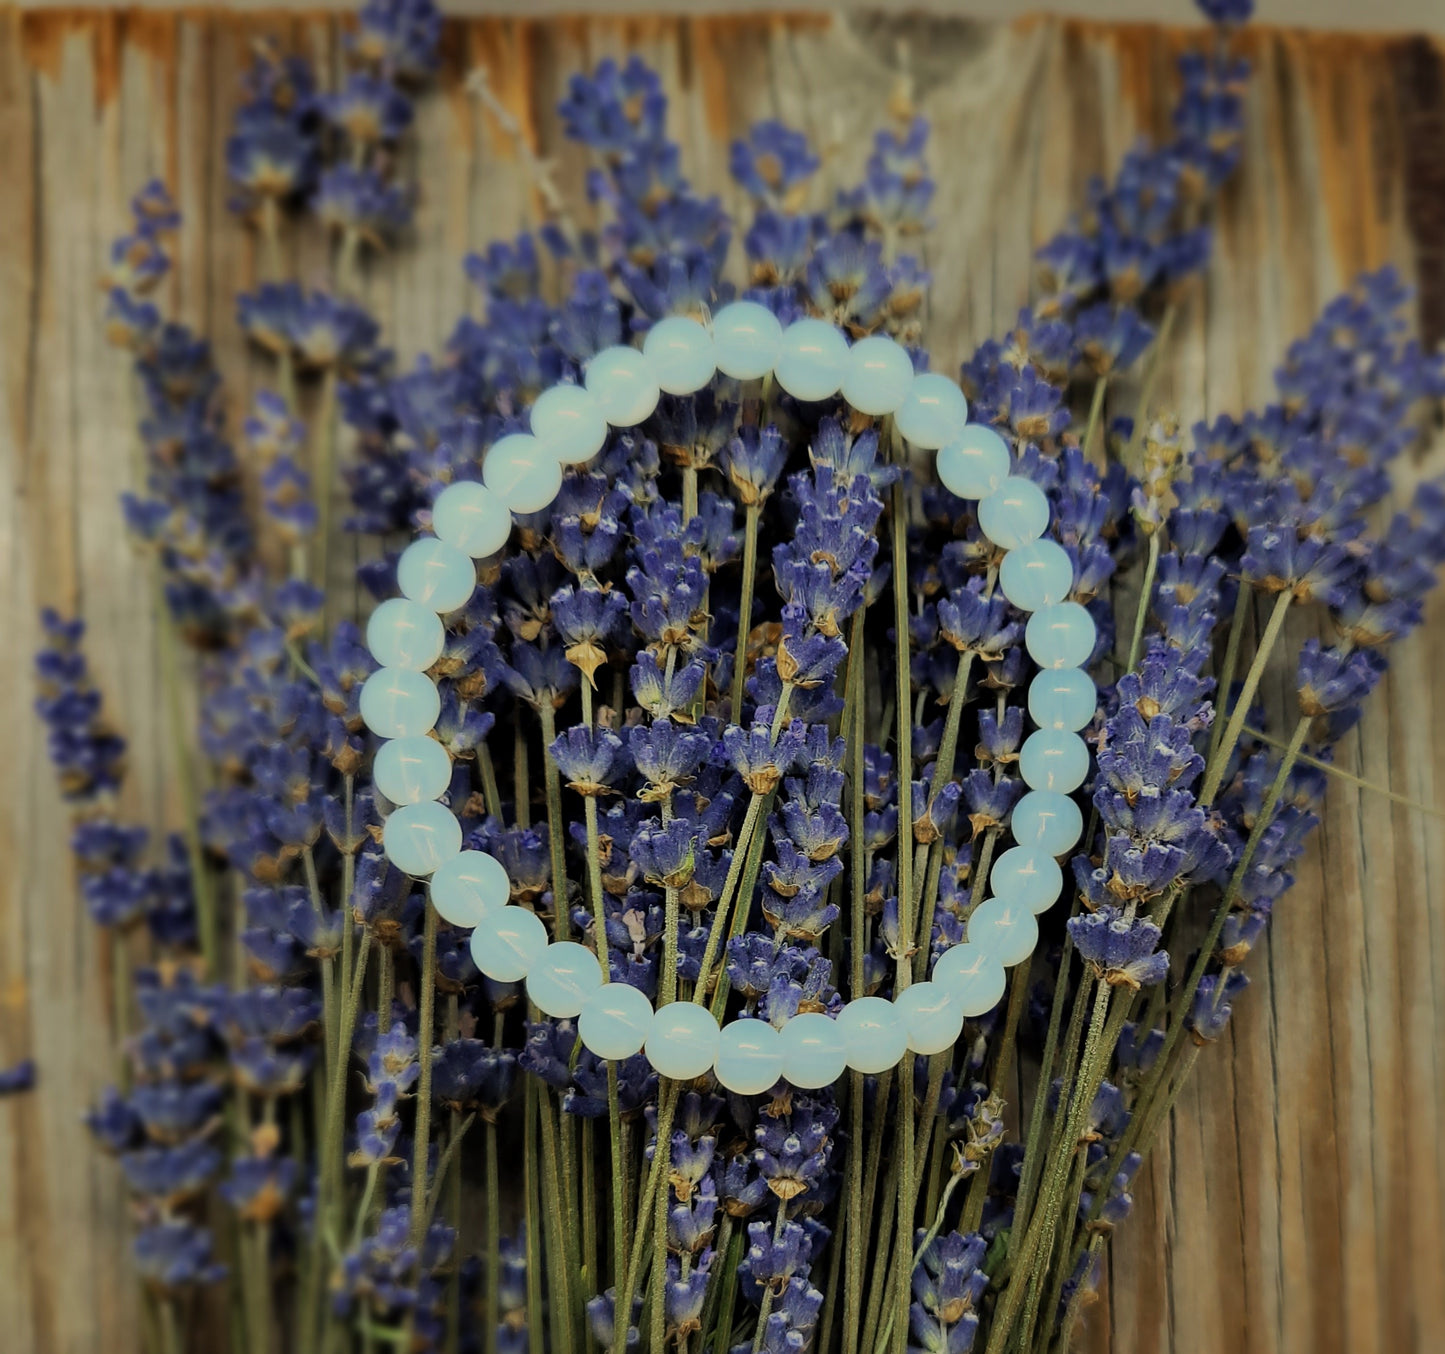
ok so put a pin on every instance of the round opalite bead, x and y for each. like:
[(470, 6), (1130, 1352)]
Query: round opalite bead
[(468, 887), (1047, 819), (1054, 759), (1008, 931), (745, 337), (682, 1042), (615, 1020), (410, 770), (404, 634), (562, 977), (507, 942), (436, 574), (933, 412), (972, 977), (399, 703), (874, 1033), (471, 517), (522, 471), (419, 837), (1060, 636), (750, 1056), (568, 421), (814, 1051), (878, 376), (621, 380), (1027, 875), (974, 463), (1036, 575), (812, 357), (1062, 698), (933, 1015), (680, 352), (1015, 513)]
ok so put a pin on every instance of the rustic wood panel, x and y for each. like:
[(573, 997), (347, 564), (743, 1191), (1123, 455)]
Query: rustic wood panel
[(1297, 1204)]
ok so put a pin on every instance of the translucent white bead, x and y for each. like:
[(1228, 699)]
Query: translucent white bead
[(507, 942), (814, 1051), (615, 1020), (1027, 875), (1048, 820), (409, 770), (468, 887), (682, 1042), (1053, 759), (522, 471), (749, 1057), (934, 411), (812, 357), (1036, 575), (562, 977), (471, 517), (405, 634), (436, 574), (680, 352), (1008, 931), (972, 976), (745, 338), (1060, 636), (398, 703), (1062, 698), (419, 837), (878, 375), (568, 421), (933, 1015), (1016, 513), (975, 462), (621, 381), (874, 1033)]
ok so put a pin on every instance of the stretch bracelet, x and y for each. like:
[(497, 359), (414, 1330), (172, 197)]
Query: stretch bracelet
[(811, 360)]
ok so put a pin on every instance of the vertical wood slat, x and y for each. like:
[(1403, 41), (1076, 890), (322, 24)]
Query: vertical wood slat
[(1296, 1203)]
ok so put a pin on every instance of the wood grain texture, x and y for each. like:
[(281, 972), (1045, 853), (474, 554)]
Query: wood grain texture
[(1297, 1203)]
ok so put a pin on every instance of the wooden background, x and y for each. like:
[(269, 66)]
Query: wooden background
[(1297, 1205)]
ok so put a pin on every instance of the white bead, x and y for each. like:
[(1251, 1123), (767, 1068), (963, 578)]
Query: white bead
[(680, 352), (562, 977), (471, 517), (746, 337), (405, 634), (469, 886), (621, 381), (750, 1056), (522, 472), (409, 770), (400, 703), (875, 1034), (436, 574), (973, 976), (615, 1020), (682, 1042), (1007, 930), (878, 375), (419, 837), (934, 1017), (934, 411), (568, 421), (974, 464), (814, 1051), (812, 357), (507, 942)]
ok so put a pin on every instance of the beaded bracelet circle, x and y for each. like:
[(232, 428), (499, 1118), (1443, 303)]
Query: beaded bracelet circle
[(522, 473)]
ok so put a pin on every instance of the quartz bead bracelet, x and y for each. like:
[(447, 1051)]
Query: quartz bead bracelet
[(521, 473)]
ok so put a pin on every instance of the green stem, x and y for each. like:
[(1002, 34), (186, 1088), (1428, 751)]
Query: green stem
[(766, 1305), (552, 781), (745, 606), (334, 1144), (531, 1187), (1096, 414), (421, 1129), (1141, 613)]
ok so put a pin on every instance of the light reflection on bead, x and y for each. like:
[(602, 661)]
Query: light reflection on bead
[(419, 837), (468, 887), (812, 356), (974, 464), (522, 471), (1015, 513), (1027, 875), (562, 977), (933, 412), (878, 375), (680, 352), (1062, 698), (471, 517), (409, 770), (569, 422), (972, 976), (682, 1042), (1053, 759), (436, 574), (507, 942), (746, 337), (398, 703), (405, 634), (1036, 575), (750, 1056), (615, 1020), (933, 1015), (1048, 820), (1008, 931), (621, 381), (814, 1051), (874, 1034), (1060, 636)]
